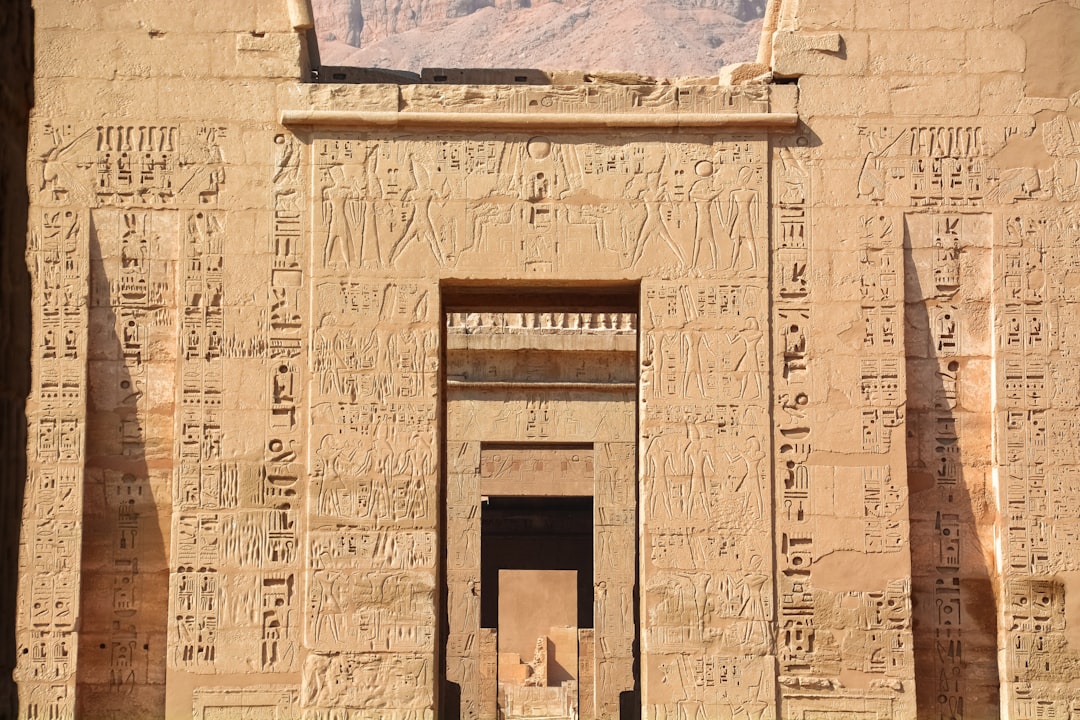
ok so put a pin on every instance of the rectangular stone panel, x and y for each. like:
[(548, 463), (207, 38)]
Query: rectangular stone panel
[(536, 471)]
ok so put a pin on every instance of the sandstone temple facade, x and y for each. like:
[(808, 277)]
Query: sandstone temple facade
[(512, 394)]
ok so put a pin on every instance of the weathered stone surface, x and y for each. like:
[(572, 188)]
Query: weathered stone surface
[(16, 98), (785, 378)]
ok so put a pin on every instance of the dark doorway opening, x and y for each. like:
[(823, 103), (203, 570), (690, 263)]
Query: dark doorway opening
[(529, 533)]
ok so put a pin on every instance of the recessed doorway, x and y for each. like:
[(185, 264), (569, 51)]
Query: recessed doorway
[(536, 533), (540, 542)]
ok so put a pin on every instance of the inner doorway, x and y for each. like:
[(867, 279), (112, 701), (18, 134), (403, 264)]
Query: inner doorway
[(537, 581), (540, 571), (537, 533)]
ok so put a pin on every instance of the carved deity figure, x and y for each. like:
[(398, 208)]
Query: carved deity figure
[(708, 216), (341, 212), (287, 161), (742, 211), (419, 194)]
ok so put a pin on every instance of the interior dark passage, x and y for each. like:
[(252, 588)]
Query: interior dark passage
[(529, 533)]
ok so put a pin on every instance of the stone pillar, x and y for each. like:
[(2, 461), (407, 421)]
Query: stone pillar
[(373, 509), (614, 578), (706, 501), (463, 647)]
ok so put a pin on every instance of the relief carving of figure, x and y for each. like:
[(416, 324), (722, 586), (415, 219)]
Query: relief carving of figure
[(750, 360), (341, 212), (419, 196), (742, 210), (333, 487), (873, 184), (746, 466), (327, 610), (52, 166), (464, 601), (653, 193), (697, 353), (754, 455), (754, 606), (701, 469), (287, 161), (708, 215), (662, 469)]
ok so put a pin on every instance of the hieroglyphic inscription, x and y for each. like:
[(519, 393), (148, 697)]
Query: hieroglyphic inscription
[(925, 165), (824, 631), (1036, 610), (706, 582), (1036, 409), (613, 577), (284, 440), (466, 662), (235, 534), (948, 308), (536, 470), (150, 193), (881, 275), (132, 300), (50, 560), (589, 97), (371, 503), (203, 481), (151, 165), (794, 396)]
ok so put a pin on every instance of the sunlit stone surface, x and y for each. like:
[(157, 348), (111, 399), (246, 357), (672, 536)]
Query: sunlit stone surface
[(765, 395)]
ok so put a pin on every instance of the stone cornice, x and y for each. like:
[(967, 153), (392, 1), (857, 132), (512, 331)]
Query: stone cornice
[(531, 121)]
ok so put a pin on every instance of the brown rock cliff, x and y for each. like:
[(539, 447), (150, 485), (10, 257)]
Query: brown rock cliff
[(653, 37)]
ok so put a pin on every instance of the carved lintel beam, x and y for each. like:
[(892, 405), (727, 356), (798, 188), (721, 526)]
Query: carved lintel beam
[(532, 121), (618, 387)]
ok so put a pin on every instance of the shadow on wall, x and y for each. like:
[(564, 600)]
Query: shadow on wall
[(16, 89), (124, 581), (949, 465)]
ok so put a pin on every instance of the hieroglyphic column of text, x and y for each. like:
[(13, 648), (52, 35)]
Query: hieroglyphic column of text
[(50, 558)]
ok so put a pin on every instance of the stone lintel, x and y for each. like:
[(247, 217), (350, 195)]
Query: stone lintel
[(511, 342), (473, 121)]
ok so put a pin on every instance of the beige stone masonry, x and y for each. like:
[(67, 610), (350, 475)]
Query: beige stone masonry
[(778, 376)]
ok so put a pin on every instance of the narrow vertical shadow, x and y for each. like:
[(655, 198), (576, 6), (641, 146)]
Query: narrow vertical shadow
[(124, 579), (16, 87), (949, 465)]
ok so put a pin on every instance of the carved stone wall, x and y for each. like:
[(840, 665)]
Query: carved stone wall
[(942, 173), (288, 336), (143, 518), (16, 98)]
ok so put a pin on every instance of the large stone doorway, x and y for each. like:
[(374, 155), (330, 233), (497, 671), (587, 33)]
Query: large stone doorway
[(540, 541)]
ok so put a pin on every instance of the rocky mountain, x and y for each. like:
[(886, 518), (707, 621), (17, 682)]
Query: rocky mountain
[(662, 38)]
